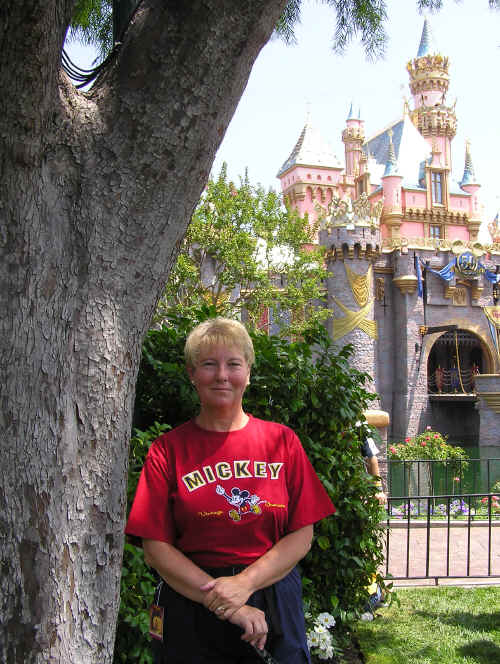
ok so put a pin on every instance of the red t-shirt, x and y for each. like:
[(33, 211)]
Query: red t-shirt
[(225, 498)]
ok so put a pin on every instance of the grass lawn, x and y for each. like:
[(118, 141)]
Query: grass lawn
[(435, 626)]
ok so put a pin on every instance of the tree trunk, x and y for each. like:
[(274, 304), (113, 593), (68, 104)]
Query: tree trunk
[(96, 191)]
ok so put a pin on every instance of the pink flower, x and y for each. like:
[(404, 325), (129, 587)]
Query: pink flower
[(423, 443), (436, 435), (427, 438), (484, 500), (407, 440), (494, 497), (392, 450), (428, 428), (456, 479)]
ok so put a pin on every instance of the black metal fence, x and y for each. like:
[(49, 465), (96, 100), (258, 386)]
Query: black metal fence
[(413, 477), (450, 534)]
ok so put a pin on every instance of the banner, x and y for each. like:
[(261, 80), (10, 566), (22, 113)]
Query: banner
[(465, 265), (493, 317)]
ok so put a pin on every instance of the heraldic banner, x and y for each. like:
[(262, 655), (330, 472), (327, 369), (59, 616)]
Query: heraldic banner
[(493, 316)]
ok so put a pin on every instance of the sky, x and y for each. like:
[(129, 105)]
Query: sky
[(287, 82)]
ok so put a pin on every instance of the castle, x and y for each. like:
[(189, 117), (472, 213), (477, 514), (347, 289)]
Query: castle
[(410, 286)]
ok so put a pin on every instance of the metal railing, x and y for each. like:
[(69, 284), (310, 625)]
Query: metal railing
[(431, 536), (416, 477)]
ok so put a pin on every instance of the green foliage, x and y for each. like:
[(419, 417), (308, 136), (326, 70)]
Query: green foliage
[(92, 24), (244, 251), (164, 392), (137, 581), (309, 386)]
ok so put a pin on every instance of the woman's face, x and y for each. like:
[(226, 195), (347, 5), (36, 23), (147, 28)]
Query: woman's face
[(220, 376)]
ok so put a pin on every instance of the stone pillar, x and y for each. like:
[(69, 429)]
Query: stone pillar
[(488, 405), (410, 371)]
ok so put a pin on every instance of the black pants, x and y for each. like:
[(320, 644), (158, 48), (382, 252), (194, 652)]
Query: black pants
[(194, 635)]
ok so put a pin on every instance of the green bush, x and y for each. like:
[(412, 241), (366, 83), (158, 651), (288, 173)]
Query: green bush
[(310, 387), (137, 580)]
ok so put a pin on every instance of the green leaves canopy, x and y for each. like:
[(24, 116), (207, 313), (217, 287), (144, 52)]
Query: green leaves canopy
[(245, 252)]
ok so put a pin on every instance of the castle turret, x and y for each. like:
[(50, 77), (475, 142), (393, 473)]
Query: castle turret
[(470, 185), (353, 138), (429, 82), (391, 186)]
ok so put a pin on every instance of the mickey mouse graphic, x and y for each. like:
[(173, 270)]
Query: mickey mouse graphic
[(243, 501)]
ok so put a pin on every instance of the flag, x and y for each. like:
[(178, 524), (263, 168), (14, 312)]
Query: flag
[(418, 270)]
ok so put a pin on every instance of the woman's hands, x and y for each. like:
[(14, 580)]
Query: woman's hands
[(225, 595), (253, 623)]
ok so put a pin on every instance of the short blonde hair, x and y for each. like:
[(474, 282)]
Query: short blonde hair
[(222, 331)]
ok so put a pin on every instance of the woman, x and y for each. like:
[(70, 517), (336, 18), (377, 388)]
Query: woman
[(225, 508)]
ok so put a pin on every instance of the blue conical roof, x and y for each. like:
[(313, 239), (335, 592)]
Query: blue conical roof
[(391, 166), (427, 46), (469, 177), (351, 113)]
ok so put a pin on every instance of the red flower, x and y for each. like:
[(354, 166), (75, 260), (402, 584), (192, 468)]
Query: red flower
[(436, 435), (423, 443), (407, 440), (392, 450)]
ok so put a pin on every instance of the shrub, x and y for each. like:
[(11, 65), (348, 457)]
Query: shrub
[(137, 580)]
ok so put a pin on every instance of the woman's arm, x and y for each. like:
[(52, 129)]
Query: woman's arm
[(186, 578), (178, 570), (232, 592)]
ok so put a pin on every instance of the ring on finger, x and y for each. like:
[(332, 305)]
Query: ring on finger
[(220, 609)]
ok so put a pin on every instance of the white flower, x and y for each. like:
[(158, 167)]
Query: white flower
[(358, 424), (319, 629), (312, 639), (325, 619)]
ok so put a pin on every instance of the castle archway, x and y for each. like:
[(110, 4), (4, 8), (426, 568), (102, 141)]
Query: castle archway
[(454, 360)]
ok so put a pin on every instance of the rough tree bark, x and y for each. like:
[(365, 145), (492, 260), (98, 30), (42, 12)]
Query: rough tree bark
[(96, 191)]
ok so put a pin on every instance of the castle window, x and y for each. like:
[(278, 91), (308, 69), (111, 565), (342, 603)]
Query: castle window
[(437, 187), (435, 232)]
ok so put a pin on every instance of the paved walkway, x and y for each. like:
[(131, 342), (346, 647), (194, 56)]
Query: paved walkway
[(408, 552)]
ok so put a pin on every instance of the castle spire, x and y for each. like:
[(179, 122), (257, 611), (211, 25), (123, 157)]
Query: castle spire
[(469, 177), (351, 113), (426, 46), (429, 82), (391, 166)]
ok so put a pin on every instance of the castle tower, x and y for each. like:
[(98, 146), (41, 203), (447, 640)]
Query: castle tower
[(393, 195), (353, 138), (352, 234), (429, 81)]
